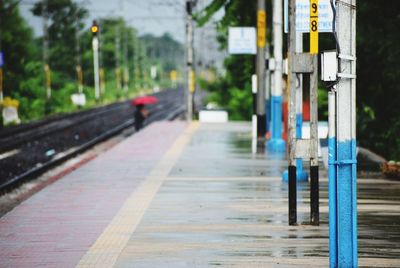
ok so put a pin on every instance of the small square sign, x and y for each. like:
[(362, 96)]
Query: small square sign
[(242, 40)]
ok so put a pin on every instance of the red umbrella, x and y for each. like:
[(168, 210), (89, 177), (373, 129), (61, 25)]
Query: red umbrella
[(144, 100)]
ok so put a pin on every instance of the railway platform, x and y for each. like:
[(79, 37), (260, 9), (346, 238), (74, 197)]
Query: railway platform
[(188, 195)]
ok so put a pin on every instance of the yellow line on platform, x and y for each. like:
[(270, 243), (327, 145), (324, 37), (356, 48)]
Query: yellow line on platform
[(222, 179), (105, 251)]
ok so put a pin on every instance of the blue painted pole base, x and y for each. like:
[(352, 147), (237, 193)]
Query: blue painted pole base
[(276, 145), (301, 175)]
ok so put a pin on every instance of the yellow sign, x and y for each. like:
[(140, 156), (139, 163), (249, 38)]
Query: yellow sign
[(192, 86), (173, 76), (9, 102), (313, 26), (261, 28)]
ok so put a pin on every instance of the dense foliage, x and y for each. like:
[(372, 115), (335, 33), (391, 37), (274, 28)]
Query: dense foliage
[(233, 91), (378, 69), (378, 74)]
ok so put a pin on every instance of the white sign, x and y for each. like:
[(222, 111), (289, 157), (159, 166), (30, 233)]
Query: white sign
[(78, 99), (242, 40), (325, 16), (10, 115), (213, 116)]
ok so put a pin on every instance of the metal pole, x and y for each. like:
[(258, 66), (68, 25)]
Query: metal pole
[(79, 73), (126, 67), (267, 91), (137, 63), (292, 117), (332, 179), (1, 62), (261, 40), (254, 116), (314, 176), (117, 55), (277, 144), (346, 159), (46, 67), (301, 175), (102, 72), (189, 65), (95, 43)]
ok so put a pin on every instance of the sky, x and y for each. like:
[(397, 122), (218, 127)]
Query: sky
[(147, 16)]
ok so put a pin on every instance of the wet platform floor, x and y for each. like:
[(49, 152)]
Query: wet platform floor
[(210, 202), (221, 205)]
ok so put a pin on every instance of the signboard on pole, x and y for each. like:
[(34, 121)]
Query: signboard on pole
[(261, 28), (314, 26), (242, 40), (325, 16)]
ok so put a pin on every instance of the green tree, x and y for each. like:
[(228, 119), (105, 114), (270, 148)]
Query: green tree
[(235, 87), (110, 30), (163, 50), (378, 67), (66, 18), (16, 43), (378, 72)]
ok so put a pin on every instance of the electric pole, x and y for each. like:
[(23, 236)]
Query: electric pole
[(78, 59), (95, 44), (136, 74), (117, 54), (189, 64), (343, 172), (277, 144), (261, 41), (126, 67), (301, 175), (292, 117), (46, 67), (102, 72), (1, 61)]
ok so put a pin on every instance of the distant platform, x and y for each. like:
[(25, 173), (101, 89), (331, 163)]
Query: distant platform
[(213, 116)]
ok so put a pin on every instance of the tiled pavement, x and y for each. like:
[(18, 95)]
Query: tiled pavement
[(188, 196), (56, 227)]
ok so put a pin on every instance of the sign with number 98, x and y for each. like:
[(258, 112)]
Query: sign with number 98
[(313, 26)]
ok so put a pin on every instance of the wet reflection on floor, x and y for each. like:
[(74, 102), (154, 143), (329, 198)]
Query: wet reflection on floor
[(224, 206)]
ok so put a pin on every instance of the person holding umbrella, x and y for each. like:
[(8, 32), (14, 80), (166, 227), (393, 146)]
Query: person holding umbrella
[(141, 113)]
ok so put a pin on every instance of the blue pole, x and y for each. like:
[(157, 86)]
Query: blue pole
[(346, 158), (300, 173), (354, 202), (346, 199), (277, 144), (332, 183), (267, 114)]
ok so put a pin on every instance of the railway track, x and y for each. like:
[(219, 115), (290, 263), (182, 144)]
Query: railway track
[(29, 150)]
